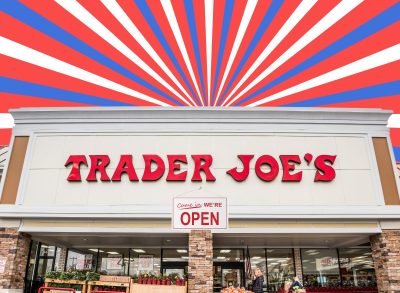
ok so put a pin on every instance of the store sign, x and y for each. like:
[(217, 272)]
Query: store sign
[(200, 213), (266, 167)]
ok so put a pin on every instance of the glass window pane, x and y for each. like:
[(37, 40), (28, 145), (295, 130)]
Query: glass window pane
[(146, 260), (80, 260), (280, 266), (47, 250), (32, 260), (225, 255), (175, 255), (258, 260), (114, 261), (357, 267), (320, 267), (45, 265)]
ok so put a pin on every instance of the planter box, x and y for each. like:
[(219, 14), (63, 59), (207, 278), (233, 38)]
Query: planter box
[(93, 284), (139, 288), (49, 281), (119, 279)]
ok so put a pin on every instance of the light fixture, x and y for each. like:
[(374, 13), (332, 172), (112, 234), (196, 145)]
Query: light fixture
[(274, 263), (310, 250), (184, 257), (139, 250), (181, 251), (113, 252), (256, 257), (221, 257), (95, 250), (225, 251), (313, 253)]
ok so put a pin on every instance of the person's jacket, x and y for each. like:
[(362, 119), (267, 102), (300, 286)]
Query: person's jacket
[(258, 284), (295, 285)]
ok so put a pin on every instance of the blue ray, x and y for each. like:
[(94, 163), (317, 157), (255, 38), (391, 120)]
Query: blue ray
[(14, 86), (376, 24)]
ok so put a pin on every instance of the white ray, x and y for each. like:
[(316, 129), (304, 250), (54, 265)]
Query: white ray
[(169, 12), (6, 120), (337, 13), (291, 22), (248, 13), (29, 55), (394, 121), (124, 19), (78, 11), (209, 19), (380, 58)]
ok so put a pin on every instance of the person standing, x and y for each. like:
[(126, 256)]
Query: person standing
[(258, 281), (296, 286)]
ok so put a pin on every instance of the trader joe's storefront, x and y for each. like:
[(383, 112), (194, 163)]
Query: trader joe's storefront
[(309, 193)]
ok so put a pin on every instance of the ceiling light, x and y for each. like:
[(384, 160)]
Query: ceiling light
[(225, 251), (139, 250), (221, 257), (256, 257), (181, 251), (310, 250), (113, 252), (274, 263), (95, 250), (184, 257)]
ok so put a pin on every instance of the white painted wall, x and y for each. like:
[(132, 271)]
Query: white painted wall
[(44, 181)]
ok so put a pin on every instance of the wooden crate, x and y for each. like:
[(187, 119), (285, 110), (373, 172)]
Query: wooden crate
[(139, 288), (92, 284), (48, 281)]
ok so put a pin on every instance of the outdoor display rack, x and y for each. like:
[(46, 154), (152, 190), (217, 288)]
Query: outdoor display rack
[(54, 283)]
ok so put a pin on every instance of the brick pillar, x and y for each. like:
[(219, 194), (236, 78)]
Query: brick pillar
[(386, 255), (14, 251), (200, 274), (63, 257), (297, 264)]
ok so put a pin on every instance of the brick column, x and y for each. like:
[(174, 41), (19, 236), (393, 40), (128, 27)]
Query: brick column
[(62, 259), (14, 251), (200, 274), (386, 255), (297, 263)]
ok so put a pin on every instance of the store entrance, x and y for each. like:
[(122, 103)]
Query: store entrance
[(227, 274)]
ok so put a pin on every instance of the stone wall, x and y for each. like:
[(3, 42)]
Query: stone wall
[(60, 265), (200, 271), (298, 264), (14, 250), (386, 255)]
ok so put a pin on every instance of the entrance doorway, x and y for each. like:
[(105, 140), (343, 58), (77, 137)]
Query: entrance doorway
[(227, 274)]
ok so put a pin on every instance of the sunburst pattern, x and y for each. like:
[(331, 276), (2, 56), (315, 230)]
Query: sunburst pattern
[(200, 53)]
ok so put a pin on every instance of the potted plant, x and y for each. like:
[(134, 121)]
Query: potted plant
[(92, 276)]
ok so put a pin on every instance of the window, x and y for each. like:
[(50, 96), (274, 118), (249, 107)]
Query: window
[(280, 266), (320, 267), (175, 255), (80, 260), (114, 261), (146, 260), (258, 260), (228, 255), (357, 267)]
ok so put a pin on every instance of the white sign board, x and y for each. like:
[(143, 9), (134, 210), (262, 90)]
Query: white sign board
[(3, 262), (200, 213), (146, 263)]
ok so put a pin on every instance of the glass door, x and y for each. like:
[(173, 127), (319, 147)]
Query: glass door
[(228, 274)]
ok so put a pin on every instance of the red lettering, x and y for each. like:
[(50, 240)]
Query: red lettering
[(195, 217), (241, 176), (149, 174), (98, 163), (324, 171), (214, 218), (185, 221), (125, 165), (272, 163), (202, 163), (288, 167), (174, 165), (204, 219), (76, 161)]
